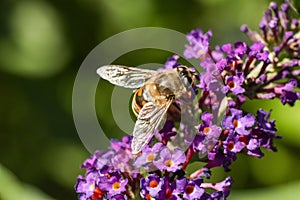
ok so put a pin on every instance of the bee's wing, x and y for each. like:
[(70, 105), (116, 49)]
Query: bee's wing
[(129, 77), (149, 119)]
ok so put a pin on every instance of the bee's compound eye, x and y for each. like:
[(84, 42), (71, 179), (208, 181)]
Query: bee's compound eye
[(182, 71), (181, 68), (187, 80)]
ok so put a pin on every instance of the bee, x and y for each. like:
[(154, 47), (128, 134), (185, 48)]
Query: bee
[(155, 92)]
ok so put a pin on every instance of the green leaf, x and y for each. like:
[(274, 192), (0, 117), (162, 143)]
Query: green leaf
[(13, 189), (288, 191)]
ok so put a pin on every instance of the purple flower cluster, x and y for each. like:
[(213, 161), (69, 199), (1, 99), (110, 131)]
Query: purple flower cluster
[(156, 187), (117, 174), (279, 36), (198, 44), (232, 74), (106, 173)]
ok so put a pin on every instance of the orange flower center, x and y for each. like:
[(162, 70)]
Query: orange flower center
[(116, 186), (168, 163), (168, 194), (231, 84), (98, 194), (107, 175), (206, 130), (235, 123), (148, 197), (230, 145), (153, 184), (244, 139), (189, 189), (150, 157)]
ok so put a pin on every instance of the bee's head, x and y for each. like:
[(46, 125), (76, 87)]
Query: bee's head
[(187, 76)]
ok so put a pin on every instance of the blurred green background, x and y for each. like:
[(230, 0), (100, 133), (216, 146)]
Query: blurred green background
[(43, 43)]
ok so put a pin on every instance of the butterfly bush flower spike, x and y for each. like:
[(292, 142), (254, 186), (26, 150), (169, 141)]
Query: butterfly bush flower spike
[(265, 68)]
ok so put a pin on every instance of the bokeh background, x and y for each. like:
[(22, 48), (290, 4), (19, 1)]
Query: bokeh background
[(42, 45)]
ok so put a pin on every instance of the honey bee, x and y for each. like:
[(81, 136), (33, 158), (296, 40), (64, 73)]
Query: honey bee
[(155, 92)]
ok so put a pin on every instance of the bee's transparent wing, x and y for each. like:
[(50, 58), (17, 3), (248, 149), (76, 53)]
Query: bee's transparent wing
[(149, 119), (129, 77)]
